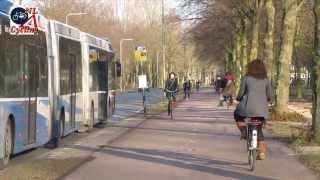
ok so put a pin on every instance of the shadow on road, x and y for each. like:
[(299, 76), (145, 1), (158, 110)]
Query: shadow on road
[(177, 131), (190, 119), (224, 168)]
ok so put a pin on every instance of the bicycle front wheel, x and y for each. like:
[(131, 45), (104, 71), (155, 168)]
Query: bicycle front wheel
[(252, 158)]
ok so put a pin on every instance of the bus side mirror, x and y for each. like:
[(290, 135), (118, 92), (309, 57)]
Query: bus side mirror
[(118, 69)]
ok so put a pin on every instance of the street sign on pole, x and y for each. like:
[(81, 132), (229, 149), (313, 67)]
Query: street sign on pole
[(140, 54), (142, 81)]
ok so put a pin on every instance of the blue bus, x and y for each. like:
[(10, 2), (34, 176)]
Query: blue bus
[(52, 83), (26, 98)]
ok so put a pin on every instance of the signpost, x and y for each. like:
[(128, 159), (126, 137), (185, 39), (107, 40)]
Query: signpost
[(140, 55), (142, 81)]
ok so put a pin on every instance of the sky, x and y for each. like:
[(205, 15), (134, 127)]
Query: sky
[(172, 3), (169, 4)]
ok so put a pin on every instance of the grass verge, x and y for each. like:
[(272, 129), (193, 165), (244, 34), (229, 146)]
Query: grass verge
[(295, 129), (312, 161), (43, 169), (286, 117)]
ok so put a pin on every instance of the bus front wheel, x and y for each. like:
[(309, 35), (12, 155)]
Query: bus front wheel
[(7, 146)]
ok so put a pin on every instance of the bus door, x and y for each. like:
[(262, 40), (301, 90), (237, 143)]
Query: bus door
[(106, 94), (31, 79), (73, 90)]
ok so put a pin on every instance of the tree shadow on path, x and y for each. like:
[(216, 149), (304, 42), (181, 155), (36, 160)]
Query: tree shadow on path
[(224, 168)]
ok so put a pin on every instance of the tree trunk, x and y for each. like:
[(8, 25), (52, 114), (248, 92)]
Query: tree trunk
[(285, 58), (316, 76), (255, 30), (230, 60), (237, 70), (268, 51), (244, 42)]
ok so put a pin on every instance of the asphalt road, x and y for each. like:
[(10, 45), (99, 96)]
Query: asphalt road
[(201, 143), (128, 104)]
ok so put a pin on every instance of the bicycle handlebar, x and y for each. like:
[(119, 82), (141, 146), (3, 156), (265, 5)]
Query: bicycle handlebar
[(171, 91)]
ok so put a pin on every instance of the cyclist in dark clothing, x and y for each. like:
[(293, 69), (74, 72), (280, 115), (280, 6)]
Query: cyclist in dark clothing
[(187, 89), (198, 85), (219, 84), (171, 88)]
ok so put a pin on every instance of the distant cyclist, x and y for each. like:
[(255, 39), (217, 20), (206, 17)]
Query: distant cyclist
[(187, 88), (229, 89), (254, 94), (219, 84), (198, 85), (171, 88)]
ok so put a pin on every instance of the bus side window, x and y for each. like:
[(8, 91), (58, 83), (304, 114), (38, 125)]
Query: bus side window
[(11, 68), (43, 66), (118, 69)]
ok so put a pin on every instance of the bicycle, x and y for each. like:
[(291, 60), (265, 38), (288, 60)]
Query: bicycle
[(225, 99), (228, 100), (252, 141), (170, 103), (187, 94)]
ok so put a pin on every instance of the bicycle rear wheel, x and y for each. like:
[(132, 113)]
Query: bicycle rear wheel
[(171, 109)]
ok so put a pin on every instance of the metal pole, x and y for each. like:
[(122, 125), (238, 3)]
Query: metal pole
[(67, 19), (122, 66), (158, 69), (163, 45)]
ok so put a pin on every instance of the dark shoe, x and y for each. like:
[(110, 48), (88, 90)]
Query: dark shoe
[(243, 137)]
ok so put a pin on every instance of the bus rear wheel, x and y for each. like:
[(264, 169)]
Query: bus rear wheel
[(7, 146)]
